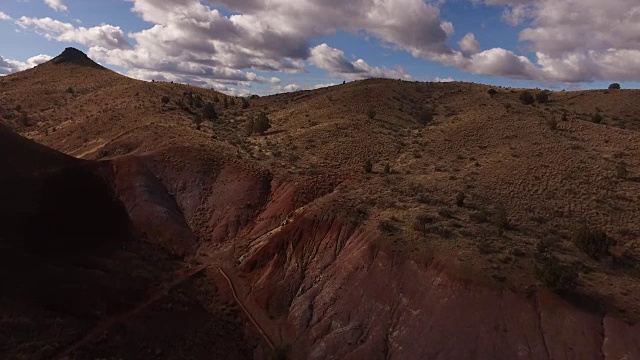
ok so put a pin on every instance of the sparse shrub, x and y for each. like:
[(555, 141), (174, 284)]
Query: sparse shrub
[(621, 170), (422, 223), (371, 113), (501, 221), (555, 276), (614, 86), (387, 226), (209, 112), (542, 97), (69, 90), (460, 198), (197, 119), (492, 92), (552, 123), (507, 106), (225, 103), (387, 169), (445, 213), (18, 108), (425, 116), (593, 242), (543, 246), (245, 103), (596, 118), (260, 125), (24, 120), (232, 101), (526, 98), (368, 166), (565, 117), (479, 217), (197, 101), (216, 99), (165, 99)]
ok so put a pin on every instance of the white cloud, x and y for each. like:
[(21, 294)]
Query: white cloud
[(447, 79), (333, 60), (468, 44), (107, 36), (38, 59), (579, 40), (56, 5), (4, 16), (8, 66), (192, 40)]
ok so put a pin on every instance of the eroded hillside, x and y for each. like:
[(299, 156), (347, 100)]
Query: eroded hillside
[(469, 196)]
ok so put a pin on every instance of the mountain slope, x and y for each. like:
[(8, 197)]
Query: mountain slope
[(336, 262)]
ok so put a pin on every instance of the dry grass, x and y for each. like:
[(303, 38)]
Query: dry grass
[(502, 154)]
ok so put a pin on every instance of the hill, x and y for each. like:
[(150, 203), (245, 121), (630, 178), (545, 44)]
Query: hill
[(472, 209)]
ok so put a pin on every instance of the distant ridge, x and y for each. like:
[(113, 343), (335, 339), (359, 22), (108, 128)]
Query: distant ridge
[(74, 56)]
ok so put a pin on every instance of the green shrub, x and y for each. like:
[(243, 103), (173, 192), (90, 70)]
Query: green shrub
[(368, 166), (425, 116), (209, 112), (526, 98), (555, 276), (501, 221), (262, 124), (422, 223), (621, 171), (542, 97), (614, 86), (460, 197), (593, 242), (371, 113), (596, 118), (479, 217), (387, 226)]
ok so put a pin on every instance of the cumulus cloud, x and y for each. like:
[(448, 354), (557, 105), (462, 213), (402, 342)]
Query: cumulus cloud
[(56, 5), (8, 66), (579, 40), (4, 16), (333, 60), (107, 36), (468, 44), (198, 42)]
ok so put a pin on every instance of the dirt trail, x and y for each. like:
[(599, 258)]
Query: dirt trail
[(244, 309), (105, 325)]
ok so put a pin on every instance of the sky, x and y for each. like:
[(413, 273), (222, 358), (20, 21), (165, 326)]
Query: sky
[(244, 47)]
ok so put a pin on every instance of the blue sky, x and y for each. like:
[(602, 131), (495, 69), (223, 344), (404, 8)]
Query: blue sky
[(281, 47)]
